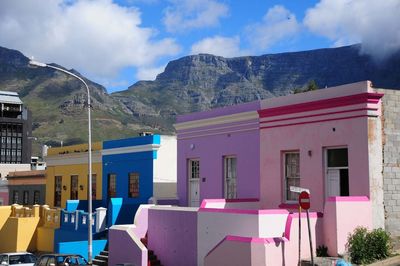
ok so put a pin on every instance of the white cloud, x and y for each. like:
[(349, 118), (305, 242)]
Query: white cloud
[(376, 24), (97, 37), (149, 73), (218, 45), (185, 15), (277, 24)]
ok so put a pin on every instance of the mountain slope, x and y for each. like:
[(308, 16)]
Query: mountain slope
[(201, 82), (189, 84)]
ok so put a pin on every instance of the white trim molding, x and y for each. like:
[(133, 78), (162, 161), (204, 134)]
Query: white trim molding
[(131, 149)]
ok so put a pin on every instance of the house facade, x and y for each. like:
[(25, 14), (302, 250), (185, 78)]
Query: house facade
[(133, 169), (67, 174), (330, 141), (27, 187), (137, 170)]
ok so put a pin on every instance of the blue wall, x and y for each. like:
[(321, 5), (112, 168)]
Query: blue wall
[(80, 247), (123, 164)]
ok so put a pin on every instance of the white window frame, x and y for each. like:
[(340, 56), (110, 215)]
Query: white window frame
[(285, 196), (326, 168), (227, 178)]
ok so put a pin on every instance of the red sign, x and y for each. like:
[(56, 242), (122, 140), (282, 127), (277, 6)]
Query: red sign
[(304, 200)]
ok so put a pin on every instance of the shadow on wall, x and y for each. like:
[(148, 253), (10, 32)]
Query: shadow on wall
[(120, 212)]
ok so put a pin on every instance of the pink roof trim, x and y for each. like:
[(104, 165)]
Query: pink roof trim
[(322, 104), (206, 201), (350, 198)]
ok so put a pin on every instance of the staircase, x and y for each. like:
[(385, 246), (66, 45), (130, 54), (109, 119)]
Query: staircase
[(102, 258), (152, 258)]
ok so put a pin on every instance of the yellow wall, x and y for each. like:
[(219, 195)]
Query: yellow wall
[(66, 171), (19, 234), (77, 168), (5, 212), (45, 239), (96, 146)]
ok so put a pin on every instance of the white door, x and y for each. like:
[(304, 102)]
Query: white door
[(194, 183), (333, 180)]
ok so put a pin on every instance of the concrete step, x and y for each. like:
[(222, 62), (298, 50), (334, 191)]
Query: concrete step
[(99, 262), (104, 253)]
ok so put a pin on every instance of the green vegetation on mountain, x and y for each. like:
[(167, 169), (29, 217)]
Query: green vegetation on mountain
[(189, 84)]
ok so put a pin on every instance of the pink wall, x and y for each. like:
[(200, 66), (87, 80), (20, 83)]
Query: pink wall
[(172, 235), (252, 251), (4, 196), (341, 216), (309, 123), (313, 137)]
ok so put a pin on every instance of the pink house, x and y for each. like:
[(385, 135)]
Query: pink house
[(329, 141)]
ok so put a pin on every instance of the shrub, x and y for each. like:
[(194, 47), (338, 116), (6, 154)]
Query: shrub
[(366, 246)]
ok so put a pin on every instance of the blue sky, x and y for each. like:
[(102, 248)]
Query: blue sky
[(117, 43)]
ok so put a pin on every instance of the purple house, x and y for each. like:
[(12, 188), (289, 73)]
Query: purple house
[(218, 154)]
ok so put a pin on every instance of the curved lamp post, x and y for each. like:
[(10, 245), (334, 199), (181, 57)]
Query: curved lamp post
[(90, 218)]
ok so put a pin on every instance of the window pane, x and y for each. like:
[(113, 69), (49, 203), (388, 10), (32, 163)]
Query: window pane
[(26, 197), (112, 188), (36, 197), (337, 157), (230, 175), (57, 191), (94, 178), (133, 185), (195, 169), (292, 174), (74, 187)]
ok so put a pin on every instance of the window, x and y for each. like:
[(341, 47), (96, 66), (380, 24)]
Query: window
[(337, 172), (230, 177), (57, 191), (36, 197), (74, 187), (133, 185), (94, 179), (112, 186), (25, 198), (292, 174), (15, 196), (195, 169)]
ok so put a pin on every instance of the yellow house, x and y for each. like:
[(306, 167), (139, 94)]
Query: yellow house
[(67, 174)]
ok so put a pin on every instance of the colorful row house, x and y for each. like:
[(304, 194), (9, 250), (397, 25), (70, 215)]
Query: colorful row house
[(339, 141), (134, 170)]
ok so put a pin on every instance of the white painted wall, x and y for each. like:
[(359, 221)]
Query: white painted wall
[(7, 168), (165, 169)]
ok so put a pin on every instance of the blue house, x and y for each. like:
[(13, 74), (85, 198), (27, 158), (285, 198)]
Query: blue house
[(136, 170)]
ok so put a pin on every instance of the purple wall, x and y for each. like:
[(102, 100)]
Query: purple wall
[(221, 132), (172, 235), (211, 150)]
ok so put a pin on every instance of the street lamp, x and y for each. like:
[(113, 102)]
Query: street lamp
[(90, 240)]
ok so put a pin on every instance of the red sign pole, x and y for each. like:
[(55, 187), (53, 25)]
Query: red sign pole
[(299, 235), (304, 202)]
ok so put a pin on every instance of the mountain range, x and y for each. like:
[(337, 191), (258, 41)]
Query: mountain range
[(189, 84)]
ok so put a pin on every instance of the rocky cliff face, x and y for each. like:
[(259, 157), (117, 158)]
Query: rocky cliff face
[(201, 82), (189, 84)]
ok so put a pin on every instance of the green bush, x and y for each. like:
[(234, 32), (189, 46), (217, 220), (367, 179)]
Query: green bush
[(366, 246)]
